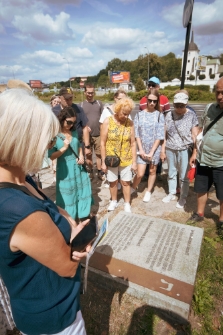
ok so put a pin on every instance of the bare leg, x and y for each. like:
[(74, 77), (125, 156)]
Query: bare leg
[(221, 211), (201, 202), (98, 162), (152, 177), (89, 161), (141, 168), (114, 190), (126, 190)]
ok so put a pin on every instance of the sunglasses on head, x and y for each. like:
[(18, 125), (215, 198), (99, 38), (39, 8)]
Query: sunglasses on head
[(69, 123), (154, 101)]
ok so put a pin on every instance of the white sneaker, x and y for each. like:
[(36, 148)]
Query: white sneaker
[(119, 186), (168, 198), (181, 203), (112, 206), (147, 196), (127, 207)]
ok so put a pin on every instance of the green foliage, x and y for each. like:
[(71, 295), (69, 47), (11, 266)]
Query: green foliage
[(212, 76), (202, 76), (221, 75), (139, 85), (103, 81), (192, 77)]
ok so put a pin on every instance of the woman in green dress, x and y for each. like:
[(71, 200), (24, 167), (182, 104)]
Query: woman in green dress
[(73, 187)]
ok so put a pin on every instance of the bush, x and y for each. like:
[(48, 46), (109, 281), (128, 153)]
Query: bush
[(202, 76), (212, 76), (221, 75), (191, 77)]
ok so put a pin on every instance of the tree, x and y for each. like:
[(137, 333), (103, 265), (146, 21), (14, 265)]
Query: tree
[(103, 81), (139, 85)]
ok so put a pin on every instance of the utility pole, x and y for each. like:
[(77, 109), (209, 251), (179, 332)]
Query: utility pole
[(68, 69), (148, 60)]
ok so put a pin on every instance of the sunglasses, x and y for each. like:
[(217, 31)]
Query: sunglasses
[(69, 123), (179, 106), (154, 101), (151, 85)]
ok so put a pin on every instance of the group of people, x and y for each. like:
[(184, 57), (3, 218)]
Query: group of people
[(37, 266), (155, 135)]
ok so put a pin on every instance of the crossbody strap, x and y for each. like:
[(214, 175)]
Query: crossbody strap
[(84, 165), (16, 187), (121, 140), (212, 123)]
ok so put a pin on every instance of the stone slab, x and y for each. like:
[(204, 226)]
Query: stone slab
[(155, 258)]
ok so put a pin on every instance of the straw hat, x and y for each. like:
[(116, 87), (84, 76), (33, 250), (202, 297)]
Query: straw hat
[(17, 83)]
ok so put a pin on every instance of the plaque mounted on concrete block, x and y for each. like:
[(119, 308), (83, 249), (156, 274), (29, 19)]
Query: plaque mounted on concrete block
[(156, 258)]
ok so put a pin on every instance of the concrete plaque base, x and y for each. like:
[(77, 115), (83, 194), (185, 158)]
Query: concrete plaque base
[(155, 258)]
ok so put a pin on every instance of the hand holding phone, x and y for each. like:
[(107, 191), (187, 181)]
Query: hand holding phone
[(85, 236)]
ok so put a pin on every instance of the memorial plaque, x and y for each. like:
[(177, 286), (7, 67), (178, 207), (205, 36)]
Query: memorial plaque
[(156, 257)]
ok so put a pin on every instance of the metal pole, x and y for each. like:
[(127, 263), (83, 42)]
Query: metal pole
[(185, 53), (148, 60)]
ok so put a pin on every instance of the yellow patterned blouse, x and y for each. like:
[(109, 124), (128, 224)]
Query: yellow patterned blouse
[(119, 141)]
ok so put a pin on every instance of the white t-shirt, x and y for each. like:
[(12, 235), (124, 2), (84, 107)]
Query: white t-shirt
[(106, 113)]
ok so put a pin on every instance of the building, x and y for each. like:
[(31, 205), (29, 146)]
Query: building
[(213, 66)]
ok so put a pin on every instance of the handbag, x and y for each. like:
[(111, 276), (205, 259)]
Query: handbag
[(114, 160)]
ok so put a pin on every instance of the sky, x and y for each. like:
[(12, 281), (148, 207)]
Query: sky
[(53, 40)]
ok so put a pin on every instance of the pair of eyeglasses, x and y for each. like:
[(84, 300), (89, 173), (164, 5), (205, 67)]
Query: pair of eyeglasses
[(154, 101), (151, 85), (69, 123), (179, 106)]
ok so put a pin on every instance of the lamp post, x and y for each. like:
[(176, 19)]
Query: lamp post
[(68, 69), (148, 60)]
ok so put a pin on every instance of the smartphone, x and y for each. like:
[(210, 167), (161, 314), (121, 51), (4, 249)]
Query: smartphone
[(85, 236)]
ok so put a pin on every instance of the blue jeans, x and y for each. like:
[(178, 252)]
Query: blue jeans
[(178, 162)]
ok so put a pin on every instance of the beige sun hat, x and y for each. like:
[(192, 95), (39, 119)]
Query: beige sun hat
[(17, 83)]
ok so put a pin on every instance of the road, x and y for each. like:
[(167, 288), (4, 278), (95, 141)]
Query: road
[(199, 108)]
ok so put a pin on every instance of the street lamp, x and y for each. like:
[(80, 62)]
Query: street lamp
[(148, 60), (68, 69)]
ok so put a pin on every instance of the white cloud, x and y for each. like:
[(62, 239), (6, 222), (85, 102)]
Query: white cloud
[(45, 57), (206, 17), (43, 27), (77, 53), (120, 39)]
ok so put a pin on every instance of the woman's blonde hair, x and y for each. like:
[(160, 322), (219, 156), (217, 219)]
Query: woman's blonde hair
[(26, 127), (126, 103)]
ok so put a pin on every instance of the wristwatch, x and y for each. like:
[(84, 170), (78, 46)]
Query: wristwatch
[(87, 146)]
